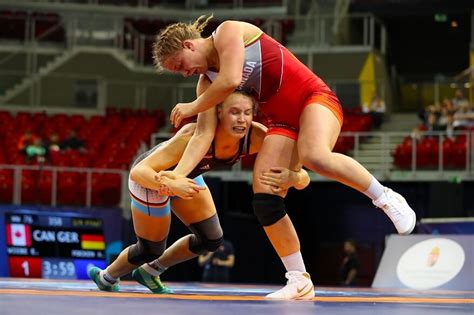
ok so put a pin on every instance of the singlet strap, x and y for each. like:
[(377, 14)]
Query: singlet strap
[(253, 39), (245, 148), (248, 41)]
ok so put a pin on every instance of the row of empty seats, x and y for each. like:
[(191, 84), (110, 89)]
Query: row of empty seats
[(428, 149), (37, 187), (111, 142), (354, 121)]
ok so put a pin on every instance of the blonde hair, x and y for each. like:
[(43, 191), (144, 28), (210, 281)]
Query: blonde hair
[(170, 40)]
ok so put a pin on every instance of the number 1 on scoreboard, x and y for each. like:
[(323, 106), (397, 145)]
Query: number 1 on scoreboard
[(26, 268)]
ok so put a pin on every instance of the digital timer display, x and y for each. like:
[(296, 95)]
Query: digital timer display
[(53, 245)]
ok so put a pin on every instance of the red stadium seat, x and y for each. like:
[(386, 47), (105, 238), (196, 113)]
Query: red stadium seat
[(112, 141), (459, 154), (403, 155), (29, 191), (6, 186), (448, 153)]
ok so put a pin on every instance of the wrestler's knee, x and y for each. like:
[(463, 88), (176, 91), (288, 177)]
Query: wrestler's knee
[(317, 160), (199, 245), (145, 251), (207, 236), (268, 208)]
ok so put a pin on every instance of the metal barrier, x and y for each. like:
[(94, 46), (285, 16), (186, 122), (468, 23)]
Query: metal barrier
[(383, 146), (385, 168), (119, 37), (417, 169), (314, 32), (113, 31), (19, 170)]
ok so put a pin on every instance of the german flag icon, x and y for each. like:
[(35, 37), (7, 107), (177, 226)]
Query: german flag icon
[(91, 241)]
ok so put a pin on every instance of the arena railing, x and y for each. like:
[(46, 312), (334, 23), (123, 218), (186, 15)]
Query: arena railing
[(55, 172), (384, 167), (385, 170), (33, 41), (112, 33), (428, 160), (139, 93), (313, 32)]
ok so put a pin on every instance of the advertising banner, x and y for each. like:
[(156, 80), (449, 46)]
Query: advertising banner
[(427, 262)]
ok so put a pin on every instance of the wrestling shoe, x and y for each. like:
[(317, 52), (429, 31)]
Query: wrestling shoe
[(151, 282), (298, 287), (94, 275), (398, 210)]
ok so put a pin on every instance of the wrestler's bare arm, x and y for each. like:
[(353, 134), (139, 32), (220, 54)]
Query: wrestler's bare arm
[(164, 157), (203, 135)]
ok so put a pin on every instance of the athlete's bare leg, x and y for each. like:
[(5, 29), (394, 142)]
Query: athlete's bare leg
[(198, 209), (282, 234), (319, 130), (147, 227)]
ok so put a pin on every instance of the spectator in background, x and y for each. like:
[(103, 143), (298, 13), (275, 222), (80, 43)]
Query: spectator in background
[(459, 99), (217, 264), (464, 117), (36, 151), (446, 107), (53, 143), (377, 109), (350, 264), (431, 124), (25, 140), (424, 113), (450, 125), (73, 142)]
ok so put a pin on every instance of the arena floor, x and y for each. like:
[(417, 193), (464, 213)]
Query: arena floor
[(31, 297)]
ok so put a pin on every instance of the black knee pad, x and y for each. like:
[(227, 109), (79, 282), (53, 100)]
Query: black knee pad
[(268, 208), (201, 246), (207, 236), (145, 251)]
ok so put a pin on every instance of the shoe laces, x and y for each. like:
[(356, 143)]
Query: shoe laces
[(292, 277), (157, 281), (392, 207)]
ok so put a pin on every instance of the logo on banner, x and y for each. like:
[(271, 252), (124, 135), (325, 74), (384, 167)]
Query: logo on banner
[(433, 256), (430, 263), (18, 235)]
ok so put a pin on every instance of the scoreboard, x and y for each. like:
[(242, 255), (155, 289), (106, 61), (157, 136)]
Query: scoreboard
[(53, 245)]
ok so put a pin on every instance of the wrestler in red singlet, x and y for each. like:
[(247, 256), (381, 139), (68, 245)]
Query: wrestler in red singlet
[(282, 85)]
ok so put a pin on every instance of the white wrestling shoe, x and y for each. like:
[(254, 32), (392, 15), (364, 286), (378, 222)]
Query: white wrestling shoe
[(298, 287), (398, 210)]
